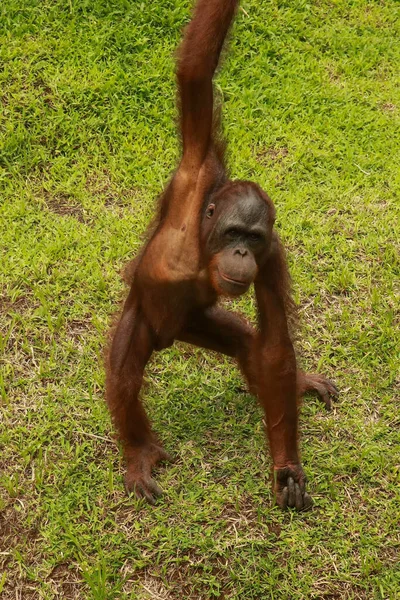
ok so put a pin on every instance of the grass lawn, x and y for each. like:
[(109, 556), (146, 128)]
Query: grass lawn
[(311, 96)]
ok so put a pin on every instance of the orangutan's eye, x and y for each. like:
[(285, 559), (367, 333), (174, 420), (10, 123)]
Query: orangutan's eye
[(255, 237), (210, 211), (232, 233)]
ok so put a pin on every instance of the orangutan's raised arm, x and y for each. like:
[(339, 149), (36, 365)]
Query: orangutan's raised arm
[(197, 61)]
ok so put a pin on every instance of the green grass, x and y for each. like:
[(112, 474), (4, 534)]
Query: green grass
[(87, 120)]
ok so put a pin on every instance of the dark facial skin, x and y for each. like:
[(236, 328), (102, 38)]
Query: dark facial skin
[(236, 230)]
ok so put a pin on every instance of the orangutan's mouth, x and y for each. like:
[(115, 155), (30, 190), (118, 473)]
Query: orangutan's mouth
[(234, 281)]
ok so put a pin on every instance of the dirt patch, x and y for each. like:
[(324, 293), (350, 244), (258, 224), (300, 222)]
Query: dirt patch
[(18, 305), (273, 153), (150, 588), (389, 107), (65, 206), (13, 530), (334, 77), (78, 328), (15, 535), (65, 581), (102, 186), (45, 91)]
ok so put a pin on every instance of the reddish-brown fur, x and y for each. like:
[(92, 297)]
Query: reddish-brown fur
[(174, 287)]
